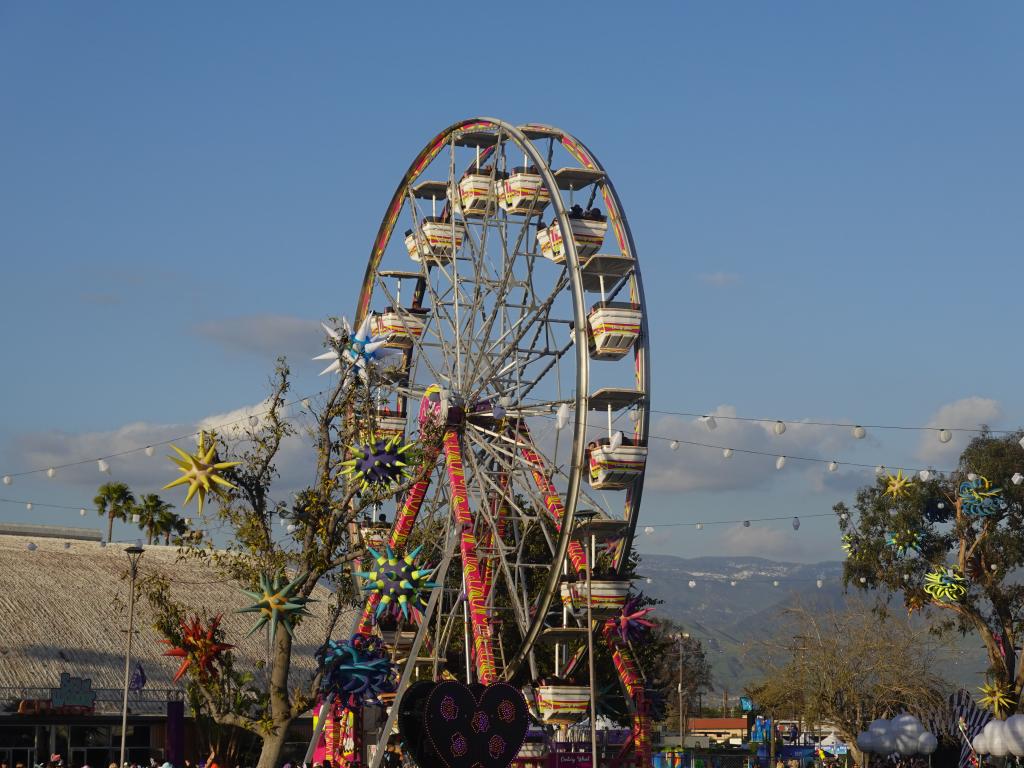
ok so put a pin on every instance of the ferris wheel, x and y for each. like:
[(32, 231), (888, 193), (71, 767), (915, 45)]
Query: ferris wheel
[(506, 281)]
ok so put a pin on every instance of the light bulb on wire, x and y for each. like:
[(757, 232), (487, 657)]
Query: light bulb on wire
[(780, 462), (710, 423), (103, 466), (727, 453), (51, 473), (8, 479), (779, 427), (674, 445), (833, 466), (858, 432), (150, 450), (945, 435)]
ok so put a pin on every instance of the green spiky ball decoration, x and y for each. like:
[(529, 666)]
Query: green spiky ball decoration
[(377, 464), (402, 585), (945, 585), (277, 603)]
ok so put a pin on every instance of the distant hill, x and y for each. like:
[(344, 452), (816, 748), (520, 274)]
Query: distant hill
[(730, 619)]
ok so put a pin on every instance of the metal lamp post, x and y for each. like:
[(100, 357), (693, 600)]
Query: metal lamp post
[(679, 687), (134, 555), (585, 516)]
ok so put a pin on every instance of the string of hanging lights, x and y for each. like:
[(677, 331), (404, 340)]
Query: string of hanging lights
[(858, 431), (103, 462), (710, 421)]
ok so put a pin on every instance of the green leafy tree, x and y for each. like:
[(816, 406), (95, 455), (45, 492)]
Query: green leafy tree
[(671, 659), (114, 501), (319, 549), (965, 530)]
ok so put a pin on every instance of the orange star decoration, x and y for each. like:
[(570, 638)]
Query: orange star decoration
[(897, 485), (200, 470), (198, 647)]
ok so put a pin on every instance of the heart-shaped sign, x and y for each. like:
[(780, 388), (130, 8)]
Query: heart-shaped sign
[(471, 729)]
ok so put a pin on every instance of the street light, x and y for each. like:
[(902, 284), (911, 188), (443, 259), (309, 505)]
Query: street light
[(585, 516), (134, 555), (682, 730)]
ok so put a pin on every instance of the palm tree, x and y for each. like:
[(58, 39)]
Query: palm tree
[(114, 501), (154, 515), (169, 524)]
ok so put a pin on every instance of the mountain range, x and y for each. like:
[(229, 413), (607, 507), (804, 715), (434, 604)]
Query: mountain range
[(730, 603)]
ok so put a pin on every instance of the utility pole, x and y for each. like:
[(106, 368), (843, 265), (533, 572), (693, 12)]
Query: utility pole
[(134, 554)]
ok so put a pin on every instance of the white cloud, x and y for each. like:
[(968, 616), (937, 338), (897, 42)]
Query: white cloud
[(719, 279), (265, 335), (693, 468), (968, 413), (295, 461)]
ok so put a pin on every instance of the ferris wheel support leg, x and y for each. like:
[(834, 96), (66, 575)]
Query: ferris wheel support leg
[(633, 685), (552, 499), (483, 642), (491, 541)]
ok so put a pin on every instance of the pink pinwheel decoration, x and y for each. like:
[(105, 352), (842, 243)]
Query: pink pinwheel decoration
[(630, 624)]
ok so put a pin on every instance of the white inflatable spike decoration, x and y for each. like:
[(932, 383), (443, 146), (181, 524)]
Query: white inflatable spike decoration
[(1017, 478), (361, 349)]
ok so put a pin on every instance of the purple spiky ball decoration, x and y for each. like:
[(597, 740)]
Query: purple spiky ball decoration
[(402, 585), (377, 464)]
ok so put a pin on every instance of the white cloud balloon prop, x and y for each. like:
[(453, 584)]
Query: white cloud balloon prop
[(904, 734), (1001, 737)]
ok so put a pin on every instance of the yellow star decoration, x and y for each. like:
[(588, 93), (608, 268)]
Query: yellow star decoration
[(897, 485), (995, 697), (200, 471)]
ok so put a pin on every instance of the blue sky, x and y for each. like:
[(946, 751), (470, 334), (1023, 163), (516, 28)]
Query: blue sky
[(826, 202)]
